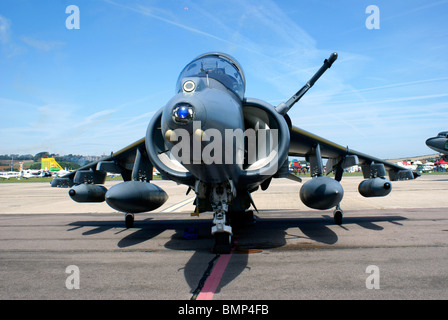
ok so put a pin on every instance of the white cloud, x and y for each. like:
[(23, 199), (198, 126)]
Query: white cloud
[(4, 29), (42, 44)]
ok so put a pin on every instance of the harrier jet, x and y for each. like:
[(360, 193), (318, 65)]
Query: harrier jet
[(223, 146), (439, 143)]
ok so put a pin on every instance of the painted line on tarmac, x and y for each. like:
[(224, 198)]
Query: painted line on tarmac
[(178, 205), (211, 284)]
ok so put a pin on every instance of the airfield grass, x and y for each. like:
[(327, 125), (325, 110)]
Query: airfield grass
[(17, 180), (48, 179), (45, 179)]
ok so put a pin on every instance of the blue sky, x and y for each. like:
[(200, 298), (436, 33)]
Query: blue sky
[(94, 89)]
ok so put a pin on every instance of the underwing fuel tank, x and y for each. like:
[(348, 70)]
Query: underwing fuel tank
[(87, 193), (135, 196), (376, 187), (321, 193)]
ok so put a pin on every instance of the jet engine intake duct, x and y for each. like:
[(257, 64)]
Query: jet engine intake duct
[(375, 187), (267, 141), (160, 156)]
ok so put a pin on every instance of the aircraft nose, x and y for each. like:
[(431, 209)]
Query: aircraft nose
[(429, 142), (183, 113)]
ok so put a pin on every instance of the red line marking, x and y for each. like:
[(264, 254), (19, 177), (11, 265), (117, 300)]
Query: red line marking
[(210, 286), (213, 280)]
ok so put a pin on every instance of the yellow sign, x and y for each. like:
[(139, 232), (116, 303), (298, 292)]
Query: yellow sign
[(49, 164)]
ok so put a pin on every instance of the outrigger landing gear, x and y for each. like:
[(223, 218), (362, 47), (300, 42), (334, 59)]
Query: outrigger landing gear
[(129, 220), (337, 215)]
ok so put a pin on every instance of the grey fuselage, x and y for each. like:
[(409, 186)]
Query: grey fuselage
[(439, 143)]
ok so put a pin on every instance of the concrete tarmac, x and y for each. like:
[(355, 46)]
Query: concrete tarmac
[(396, 245)]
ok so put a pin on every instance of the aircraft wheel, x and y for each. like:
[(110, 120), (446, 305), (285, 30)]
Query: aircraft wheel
[(129, 220), (337, 215), (223, 243)]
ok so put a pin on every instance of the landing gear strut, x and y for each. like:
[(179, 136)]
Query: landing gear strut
[(221, 195), (222, 232)]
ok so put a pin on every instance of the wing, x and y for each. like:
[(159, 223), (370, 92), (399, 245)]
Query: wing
[(303, 143), (131, 162)]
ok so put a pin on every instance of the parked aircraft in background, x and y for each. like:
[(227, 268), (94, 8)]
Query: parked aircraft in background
[(9, 174), (439, 143), (30, 173)]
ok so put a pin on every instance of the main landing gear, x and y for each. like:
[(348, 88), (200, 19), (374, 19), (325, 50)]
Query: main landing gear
[(129, 220), (337, 215)]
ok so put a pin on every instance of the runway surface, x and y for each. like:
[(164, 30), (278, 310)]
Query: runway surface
[(397, 246)]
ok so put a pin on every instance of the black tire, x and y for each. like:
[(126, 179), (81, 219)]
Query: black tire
[(129, 221), (338, 217), (223, 243)]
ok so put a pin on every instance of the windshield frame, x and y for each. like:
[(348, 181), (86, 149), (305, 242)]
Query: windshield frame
[(227, 71)]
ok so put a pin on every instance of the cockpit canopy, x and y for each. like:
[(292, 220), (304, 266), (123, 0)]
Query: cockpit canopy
[(218, 66), (443, 134)]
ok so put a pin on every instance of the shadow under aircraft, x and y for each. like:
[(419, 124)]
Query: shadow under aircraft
[(252, 237)]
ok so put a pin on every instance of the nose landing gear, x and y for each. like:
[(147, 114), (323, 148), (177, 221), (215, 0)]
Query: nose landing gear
[(221, 195), (222, 232)]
